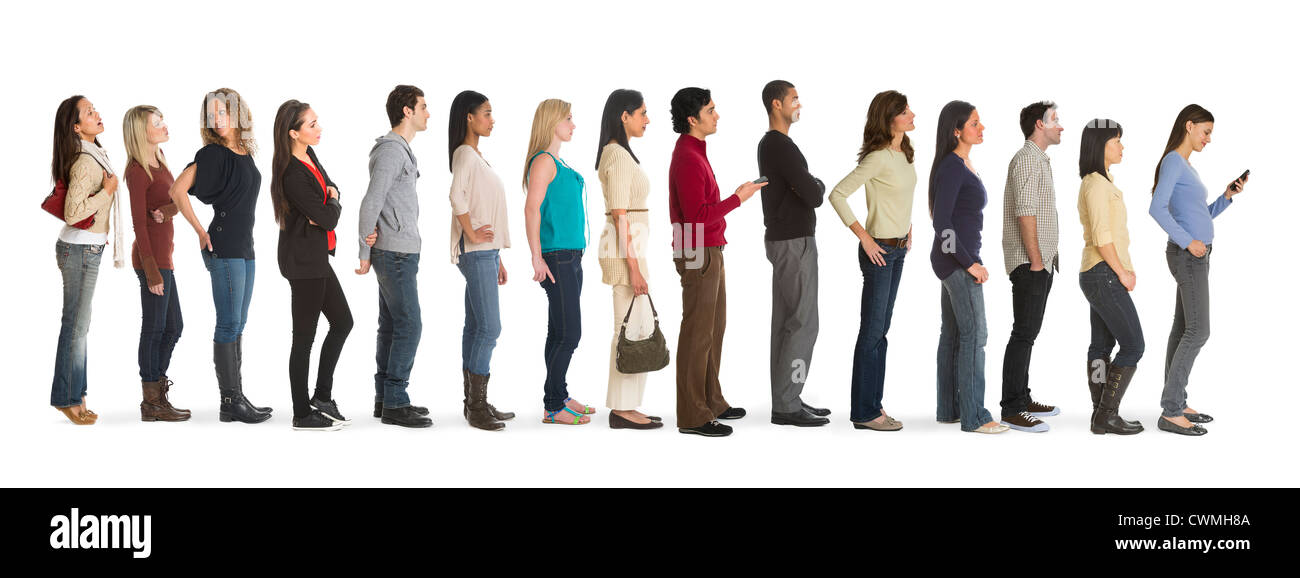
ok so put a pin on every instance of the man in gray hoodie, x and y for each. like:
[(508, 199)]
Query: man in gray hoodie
[(392, 210)]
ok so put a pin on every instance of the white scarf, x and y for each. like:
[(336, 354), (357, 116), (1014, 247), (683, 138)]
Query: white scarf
[(101, 156)]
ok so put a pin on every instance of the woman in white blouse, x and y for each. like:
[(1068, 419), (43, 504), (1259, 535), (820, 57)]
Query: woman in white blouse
[(622, 246), (479, 230)]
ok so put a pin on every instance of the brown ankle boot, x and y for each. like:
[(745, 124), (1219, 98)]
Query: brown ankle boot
[(155, 407), (477, 408), (166, 387)]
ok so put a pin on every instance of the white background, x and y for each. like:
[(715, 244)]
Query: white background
[(1135, 62)]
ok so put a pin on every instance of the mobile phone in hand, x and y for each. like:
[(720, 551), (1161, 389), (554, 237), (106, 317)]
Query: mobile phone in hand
[(761, 180), (1243, 176)]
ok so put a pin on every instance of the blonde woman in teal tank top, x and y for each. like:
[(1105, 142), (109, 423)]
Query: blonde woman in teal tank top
[(556, 220)]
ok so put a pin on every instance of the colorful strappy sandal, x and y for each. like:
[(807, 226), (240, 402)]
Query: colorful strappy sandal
[(586, 409), (577, 417)]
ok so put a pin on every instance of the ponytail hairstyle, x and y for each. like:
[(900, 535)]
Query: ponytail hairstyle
[(287, 118), (879, 130), (1193, 113), (952, 118), (611, 121), (465, 104)]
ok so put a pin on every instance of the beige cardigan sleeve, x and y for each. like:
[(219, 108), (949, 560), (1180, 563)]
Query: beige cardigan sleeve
[(86, 178)]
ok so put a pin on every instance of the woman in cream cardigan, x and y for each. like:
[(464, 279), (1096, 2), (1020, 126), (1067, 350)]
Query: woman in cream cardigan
[(622, 245)]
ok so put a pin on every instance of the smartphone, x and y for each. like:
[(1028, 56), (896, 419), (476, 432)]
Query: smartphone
[(1243, 176), (761, 180)]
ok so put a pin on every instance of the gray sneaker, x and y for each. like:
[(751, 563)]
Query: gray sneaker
[(1025, 421)]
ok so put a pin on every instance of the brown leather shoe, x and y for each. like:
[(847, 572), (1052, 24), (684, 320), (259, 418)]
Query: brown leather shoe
[(477, 406), (155, 407), (167, 387), (82, 419)]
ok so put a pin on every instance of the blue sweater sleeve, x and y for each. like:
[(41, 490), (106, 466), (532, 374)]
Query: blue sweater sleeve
[(947, 185), (1170, 171), (1219, 204)]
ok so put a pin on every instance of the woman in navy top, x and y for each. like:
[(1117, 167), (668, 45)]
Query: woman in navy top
[(224, 175), (1178, 204), (957, 199)]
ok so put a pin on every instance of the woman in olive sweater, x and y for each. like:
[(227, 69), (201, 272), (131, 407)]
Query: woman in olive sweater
[(307, 209)]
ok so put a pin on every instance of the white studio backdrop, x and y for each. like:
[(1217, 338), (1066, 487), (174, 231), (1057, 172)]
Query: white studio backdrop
[(1136, 62)]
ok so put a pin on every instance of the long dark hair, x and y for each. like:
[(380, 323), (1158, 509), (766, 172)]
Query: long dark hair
[(465, 104), (953, 117), (1191, 112), (1092, 145), (879, 131), (611, 120), (287, 118), (66, 141)]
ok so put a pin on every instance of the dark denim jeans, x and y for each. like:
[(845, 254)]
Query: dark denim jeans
[(399, 324), (1029, 290), (482, 309), (160, 325), (1113, 317), (879, 289), (232, 292), (962, 336), (80, 267), (1191, 327), (564, 327)]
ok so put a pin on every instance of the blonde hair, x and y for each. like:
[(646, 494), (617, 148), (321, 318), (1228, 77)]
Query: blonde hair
[(135, 135), (238, 115), (549, 114)]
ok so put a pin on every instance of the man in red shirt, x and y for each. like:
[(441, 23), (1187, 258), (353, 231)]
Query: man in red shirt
[(699, 220)]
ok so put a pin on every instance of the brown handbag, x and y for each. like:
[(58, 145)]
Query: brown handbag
[(644, 356)]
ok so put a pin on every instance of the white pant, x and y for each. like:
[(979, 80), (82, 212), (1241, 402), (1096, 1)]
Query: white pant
[(626, 390)]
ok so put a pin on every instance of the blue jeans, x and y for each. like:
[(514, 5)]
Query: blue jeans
[(160, 325), (1112, 316), (80, 267), (962, 337), (232, 291), (879, 289), (399, 325), (482, 310), (564, 328)]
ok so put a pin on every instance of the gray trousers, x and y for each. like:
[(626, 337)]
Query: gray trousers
[(794, 318), (1191, 327)]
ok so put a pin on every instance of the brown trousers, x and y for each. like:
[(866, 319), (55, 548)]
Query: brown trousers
[(699, 343)]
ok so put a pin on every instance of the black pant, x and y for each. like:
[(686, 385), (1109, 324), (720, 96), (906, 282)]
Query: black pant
[(1029, 291), (311, 297)]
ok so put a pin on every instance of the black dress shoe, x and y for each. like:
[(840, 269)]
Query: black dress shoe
[(800, 418), (1172, 427), (379, 409), (712, 429), (619, 422), (1198, 417), (405, 417), (732, 413), (817, 411)]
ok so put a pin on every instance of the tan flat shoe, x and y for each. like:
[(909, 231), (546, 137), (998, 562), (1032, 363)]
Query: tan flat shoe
[(77, 419), (994, 429)]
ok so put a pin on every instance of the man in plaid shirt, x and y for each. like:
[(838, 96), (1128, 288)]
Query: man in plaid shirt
[(1029, 247)]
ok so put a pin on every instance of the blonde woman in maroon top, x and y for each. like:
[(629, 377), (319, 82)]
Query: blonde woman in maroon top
[(148, 179)]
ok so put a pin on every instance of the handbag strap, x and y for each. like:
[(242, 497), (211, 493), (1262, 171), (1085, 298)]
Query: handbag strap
[(633, 304)]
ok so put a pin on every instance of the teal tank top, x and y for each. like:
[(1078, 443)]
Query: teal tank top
[(564, 210)]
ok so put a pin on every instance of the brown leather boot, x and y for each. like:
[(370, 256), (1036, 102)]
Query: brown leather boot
[(477, 408), (496, 413), (166, 387), (155, 407)]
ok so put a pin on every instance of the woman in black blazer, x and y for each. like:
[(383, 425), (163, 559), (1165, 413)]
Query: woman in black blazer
[(307, 209)]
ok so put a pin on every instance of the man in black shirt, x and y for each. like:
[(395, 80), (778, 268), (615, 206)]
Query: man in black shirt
[(789, 201)]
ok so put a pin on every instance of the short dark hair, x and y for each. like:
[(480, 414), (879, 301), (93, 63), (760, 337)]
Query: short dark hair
[(687, 103), (1092, 145), (775, 90), (1033, 113), (403, 96)]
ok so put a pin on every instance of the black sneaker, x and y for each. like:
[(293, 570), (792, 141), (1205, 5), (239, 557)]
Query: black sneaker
[(315, 421), (330, 409), (405, 417), (379, 409), (712, 429), (732, 413)]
